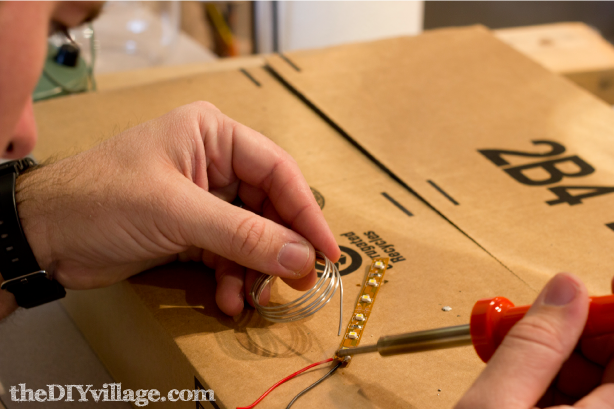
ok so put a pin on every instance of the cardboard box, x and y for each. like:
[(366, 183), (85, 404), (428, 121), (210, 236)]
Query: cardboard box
[(162, 329), (515, 156), (396, 115), (573, 50)]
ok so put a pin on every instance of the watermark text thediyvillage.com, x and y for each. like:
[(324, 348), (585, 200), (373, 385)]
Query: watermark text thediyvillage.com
[(110, 392)]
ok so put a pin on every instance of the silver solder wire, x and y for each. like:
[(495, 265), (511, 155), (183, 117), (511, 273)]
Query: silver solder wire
[(316, 298)]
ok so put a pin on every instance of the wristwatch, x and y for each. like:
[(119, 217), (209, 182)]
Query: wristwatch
[(22, 275)]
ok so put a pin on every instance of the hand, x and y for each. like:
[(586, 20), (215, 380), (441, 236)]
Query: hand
[(161, 191), (540, 363)]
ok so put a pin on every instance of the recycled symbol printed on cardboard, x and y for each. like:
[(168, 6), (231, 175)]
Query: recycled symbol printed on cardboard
[(349, 262)]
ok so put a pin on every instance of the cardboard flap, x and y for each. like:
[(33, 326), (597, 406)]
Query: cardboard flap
[(438, 110)]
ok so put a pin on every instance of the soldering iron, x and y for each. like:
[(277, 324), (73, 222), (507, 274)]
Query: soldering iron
[(491, 320)]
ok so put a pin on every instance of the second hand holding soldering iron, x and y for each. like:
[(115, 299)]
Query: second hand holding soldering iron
[(491, 320)]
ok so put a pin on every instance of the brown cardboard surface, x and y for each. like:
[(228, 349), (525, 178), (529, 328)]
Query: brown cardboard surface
[(123, 79), (424, 107), (561, 47), (162, 327), (574, 50), (599, 83)]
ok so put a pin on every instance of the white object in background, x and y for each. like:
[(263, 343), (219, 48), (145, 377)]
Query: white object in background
[(315, 24), (132, 35), (137, 34)]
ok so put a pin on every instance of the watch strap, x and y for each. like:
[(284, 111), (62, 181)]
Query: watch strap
[(21, 273), (15, 253)]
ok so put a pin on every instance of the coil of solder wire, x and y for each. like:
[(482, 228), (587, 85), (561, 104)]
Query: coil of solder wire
[(307, 304)]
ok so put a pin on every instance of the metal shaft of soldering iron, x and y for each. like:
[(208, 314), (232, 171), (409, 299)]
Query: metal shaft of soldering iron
[(441, 338)]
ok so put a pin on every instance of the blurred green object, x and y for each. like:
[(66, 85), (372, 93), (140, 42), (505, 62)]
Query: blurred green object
[(58, 79)]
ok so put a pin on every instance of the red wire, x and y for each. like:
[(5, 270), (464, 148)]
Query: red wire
[(287, 378)]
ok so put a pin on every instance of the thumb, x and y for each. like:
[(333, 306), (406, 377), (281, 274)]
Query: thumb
[(532, 353), (245, 237)]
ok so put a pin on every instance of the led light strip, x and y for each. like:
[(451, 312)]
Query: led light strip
[(364, 306)]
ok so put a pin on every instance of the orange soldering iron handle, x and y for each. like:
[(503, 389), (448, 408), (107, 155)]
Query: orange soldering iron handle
[(492, 318)]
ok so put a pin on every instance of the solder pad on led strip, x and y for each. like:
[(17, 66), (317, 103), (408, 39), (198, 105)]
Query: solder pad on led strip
[(364, 305)]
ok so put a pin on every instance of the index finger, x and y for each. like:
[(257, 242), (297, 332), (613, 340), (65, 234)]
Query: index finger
[(260, 162)]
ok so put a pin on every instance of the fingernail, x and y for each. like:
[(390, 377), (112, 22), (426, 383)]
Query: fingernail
[(293, 256), (561, 290)]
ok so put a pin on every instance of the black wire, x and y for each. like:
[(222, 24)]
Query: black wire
[(310, 387)]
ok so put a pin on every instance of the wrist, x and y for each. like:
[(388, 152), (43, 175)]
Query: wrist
[(21, 271), (30, 201)]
